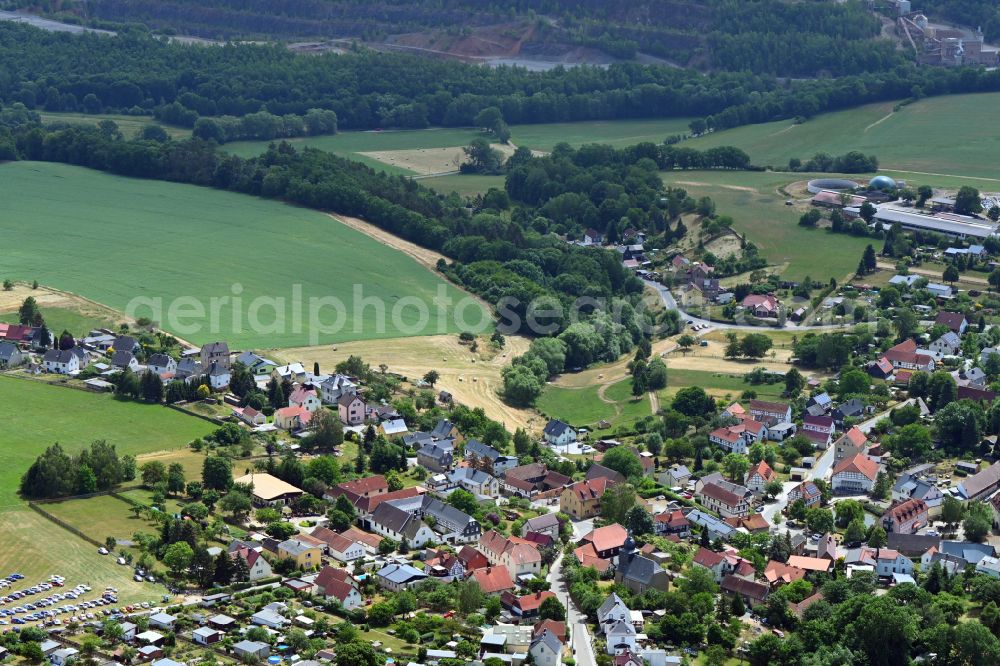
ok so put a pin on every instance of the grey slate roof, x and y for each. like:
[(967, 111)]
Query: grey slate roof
[(442, 429), (159, 360), (400, 573), (396, 520), (480, 450), (446, 513), (555, 428), (122, 358)]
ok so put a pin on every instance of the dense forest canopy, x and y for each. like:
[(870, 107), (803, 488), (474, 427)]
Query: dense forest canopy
[(139, 74), (762, 36)]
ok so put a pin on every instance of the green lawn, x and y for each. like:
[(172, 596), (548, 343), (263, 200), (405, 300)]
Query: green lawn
[(584, 407), (63, 319), (130, 126), (37, 415), (758, 209), (101, 517), (952, 135), (717, 384), (120, 239)]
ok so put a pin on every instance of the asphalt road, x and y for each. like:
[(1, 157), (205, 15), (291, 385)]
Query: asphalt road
[(671, 304), (579, 638)]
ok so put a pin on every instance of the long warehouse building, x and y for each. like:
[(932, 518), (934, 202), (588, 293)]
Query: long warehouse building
[(948, 224)]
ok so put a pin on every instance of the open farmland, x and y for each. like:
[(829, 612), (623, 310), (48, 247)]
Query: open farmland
[(757, 205), (40, 415), (130, 126), (124, 238), (949, 135)]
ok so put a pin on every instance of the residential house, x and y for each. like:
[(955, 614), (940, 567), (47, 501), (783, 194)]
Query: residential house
[(334, 387), (607, 541), (162, 365), (547, 523), (436, 456), (445, 429), (734, 411), (849, 409), (532, 479), (369, 486), (823, 401), (519, 556), (855, 475), (306, 398), (479, 483), (884, 561), (778, 573), (770, 412), (351, 409), (905, 356), (599, 471), (761, 305), (338, 546), (851, 443), (335, 583), (306, 555), (256, 364), (396, 577), (738, 437), (525, 606), (292, 419), (218, 376), (63, 656), (252, 651), (725, 498), (582, 499), (819, 430), (126, 343), (905, 517), (750, 591), (189, 370), (250, 416), (486, 458), (716, 528), (676, 476), (223, 622), (394, 427), (759, 476), (258, 566), (546, 650), (215, 353), (808, 492), (61, 361), (10, 355), (955, 321), (398, 524), (880, 369), (454, 525), (947, 345), (269, 490), (672, 522), (557, 433), (493, 580)]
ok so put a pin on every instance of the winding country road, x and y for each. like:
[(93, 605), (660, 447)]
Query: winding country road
[(671, 304)]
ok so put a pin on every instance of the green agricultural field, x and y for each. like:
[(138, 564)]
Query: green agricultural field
[(757, 206), (584, 406), (130, 126), (351, 144), (63, 319), (120, 239), (466, 185), (949, 135), (618, 133), (40, 414)]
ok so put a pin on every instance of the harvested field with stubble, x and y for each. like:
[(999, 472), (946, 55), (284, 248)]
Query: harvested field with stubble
[(428, 161), (473, 379)]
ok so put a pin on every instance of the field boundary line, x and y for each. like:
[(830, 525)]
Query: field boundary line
[(66, 526), (880, 120)]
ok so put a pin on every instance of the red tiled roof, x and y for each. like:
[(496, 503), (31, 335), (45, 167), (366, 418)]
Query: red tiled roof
[(607, 537), (588, 558), (763, 469), (859, 463), (781, 572), (558, 629), (855, 436), (708, 558), (901, 512), (720, 494), (472, 558), (531, 602), (493, 579), (366, 485), (674, 518), (591, 489), (771, 407)]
